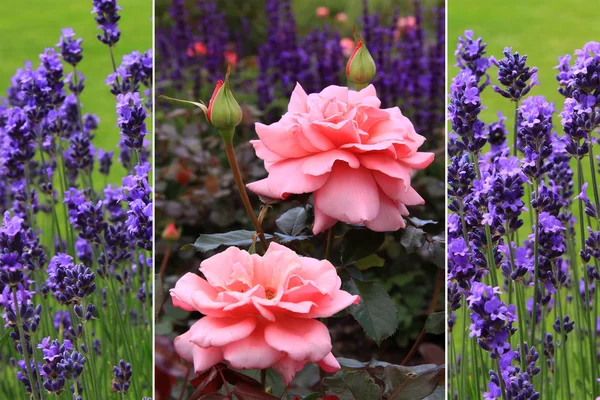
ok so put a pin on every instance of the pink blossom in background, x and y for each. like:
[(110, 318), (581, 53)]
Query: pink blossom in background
[(341, 17), (261, 311), (347, 46), (406, 23), (355, 157), (322, 12)]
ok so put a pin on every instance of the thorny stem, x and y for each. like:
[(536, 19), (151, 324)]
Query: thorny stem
[(432, 304), (161, 274), (187, 376), (237, 176), (329, 243), (263, 378)]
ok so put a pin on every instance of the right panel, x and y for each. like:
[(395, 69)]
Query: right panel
[(523, 222)]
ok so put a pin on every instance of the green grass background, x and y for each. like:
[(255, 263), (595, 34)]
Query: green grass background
[(27, 29)]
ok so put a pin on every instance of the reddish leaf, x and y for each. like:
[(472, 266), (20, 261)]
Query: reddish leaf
[(207, 382), (164, 384), (330, 397), (168, 367), (235, 378), (247, 392)]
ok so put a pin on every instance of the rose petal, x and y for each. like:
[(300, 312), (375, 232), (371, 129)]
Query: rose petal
[(387, 165), (286, 178), (418, 160), (329, 363), (322, 221), (302, 339), (349, 195), (203, 359), (287, 368), (251, 352), (298, 100), (322, 163), (263, 153), (389, 218), (280, 138), (210, 332), (340, 133), (334, 304)]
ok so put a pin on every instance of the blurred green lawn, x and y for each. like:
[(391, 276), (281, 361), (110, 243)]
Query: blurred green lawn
[(542, 29), (28, 28)]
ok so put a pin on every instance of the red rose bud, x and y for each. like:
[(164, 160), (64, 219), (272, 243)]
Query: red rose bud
[(361, 66), (171, 232), (224, 112), (212, 99)]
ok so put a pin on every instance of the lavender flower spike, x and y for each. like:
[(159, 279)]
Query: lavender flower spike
[(107, 18), (70, 48), (131, 120), (514, 75)]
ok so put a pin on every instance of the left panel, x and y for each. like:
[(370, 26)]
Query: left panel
[(76, 233)]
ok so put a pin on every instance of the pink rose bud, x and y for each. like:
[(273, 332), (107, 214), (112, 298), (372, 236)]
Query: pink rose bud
[(224, 112), (355, 157), (171, 232), (360, 68), (322, 12), (261, 311)]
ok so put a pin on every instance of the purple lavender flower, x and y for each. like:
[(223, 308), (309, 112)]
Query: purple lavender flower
[(86, 217), (491, 319), (131, 120), (496, 133), (586, 70), (53, 69), (18, 146), (70, 48), (69, 283), (463, 111), (62, 319), (107, 18), (80, 154), (104, 161), (535, 135), (121, 377), (513, 73), (470, 55), (75, 81)]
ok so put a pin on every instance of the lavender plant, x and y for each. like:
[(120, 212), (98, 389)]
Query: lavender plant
[(75, 257), (523, 233)]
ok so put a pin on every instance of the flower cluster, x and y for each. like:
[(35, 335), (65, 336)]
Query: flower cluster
[(514, 251), (61, 225)]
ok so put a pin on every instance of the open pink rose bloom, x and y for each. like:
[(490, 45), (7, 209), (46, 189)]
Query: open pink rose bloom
[(355, 157), (260, 311)]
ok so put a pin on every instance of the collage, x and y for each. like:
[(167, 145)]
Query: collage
[(299, 200)]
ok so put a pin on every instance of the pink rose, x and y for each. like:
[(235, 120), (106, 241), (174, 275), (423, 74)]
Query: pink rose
[(355, 157), (260, 312)]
